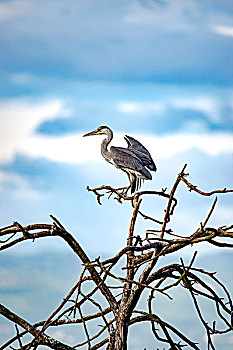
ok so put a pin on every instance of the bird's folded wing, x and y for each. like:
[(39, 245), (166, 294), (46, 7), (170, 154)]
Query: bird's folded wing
[(124, 158), (144, 158)]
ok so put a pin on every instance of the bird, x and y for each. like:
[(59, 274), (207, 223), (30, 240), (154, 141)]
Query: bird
[(135, 160)]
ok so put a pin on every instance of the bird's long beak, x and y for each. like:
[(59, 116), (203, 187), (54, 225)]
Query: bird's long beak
[(90, 133)]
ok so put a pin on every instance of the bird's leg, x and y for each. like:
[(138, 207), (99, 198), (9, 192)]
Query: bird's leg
[(124, 192)]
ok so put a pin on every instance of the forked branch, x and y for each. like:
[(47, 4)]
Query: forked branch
[(121, 284)]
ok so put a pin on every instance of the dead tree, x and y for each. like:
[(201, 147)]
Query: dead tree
[(123, 293)]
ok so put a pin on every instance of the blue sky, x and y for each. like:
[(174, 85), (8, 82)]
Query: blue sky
[(160, 71), (157, 70)]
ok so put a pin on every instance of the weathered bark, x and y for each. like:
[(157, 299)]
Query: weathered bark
[(139, 274), (121, 334)]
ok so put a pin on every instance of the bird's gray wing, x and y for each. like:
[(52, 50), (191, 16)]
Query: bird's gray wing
[(132, 143), (144, 158), (125, 159), (141, 152)]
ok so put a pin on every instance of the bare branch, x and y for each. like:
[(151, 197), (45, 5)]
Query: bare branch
[(168, 210), (210, 212), (42, 339), (142, 252), (194, 188), (155, 318)]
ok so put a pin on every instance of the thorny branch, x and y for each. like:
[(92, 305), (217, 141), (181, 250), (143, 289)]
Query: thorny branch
[(142, 254)]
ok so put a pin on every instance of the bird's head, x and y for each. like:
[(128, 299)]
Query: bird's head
[(99, 131)]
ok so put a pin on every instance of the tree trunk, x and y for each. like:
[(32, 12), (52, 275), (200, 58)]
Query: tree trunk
[(121, 334)]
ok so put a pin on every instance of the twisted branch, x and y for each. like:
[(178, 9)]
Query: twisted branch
[(140, 275)]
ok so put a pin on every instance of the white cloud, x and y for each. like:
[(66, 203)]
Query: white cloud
[(170, 16), (76, 149), (22, 78), (224, 215), (167, 146), (18, 186), (137, 107), (62, 335), (223, 30), (21, 118), (9, 9), (207, 105), (135, 39)]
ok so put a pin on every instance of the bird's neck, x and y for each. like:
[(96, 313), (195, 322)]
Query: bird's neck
[(104, 147)]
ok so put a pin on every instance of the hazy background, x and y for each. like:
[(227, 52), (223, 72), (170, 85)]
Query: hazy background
[(160, 71)]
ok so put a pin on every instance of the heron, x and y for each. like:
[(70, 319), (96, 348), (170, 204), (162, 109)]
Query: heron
[(135, 160)]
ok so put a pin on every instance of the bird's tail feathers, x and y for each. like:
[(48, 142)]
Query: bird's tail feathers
[(136, 184)]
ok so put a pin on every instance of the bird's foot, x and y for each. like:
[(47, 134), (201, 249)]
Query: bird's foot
[(125, 191)]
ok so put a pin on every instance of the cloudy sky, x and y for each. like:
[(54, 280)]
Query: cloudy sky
[(160, 71), (157, 70)]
